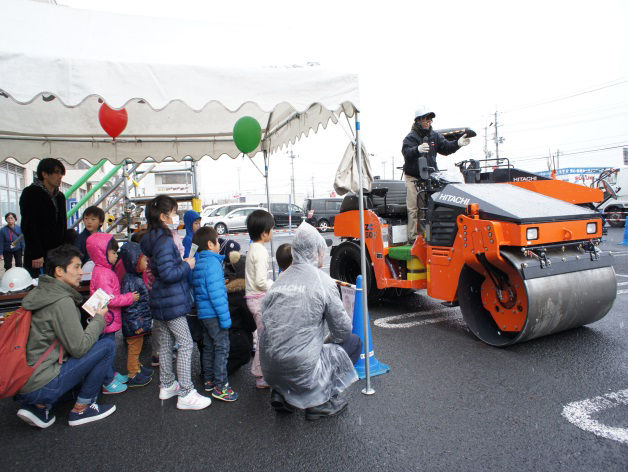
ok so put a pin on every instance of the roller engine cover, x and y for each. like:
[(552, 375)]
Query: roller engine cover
[(509, 203)]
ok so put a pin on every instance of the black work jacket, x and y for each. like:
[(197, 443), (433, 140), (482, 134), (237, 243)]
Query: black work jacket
[(43, 225), (438, 144)]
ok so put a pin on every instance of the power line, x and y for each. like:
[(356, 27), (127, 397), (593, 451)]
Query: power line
[(559, 125), (606, 85), (515, 159), (547, 117), (563, 145)]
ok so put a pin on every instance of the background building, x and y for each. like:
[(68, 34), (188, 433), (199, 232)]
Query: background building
[(14, 177)]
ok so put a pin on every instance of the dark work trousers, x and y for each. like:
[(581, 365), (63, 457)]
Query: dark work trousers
[(8, 259)]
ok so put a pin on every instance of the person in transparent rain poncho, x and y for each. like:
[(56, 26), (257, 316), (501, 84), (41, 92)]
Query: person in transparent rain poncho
[(302, 370)]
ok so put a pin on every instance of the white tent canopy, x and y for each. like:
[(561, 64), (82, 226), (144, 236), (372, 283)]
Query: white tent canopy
[(56, 62)]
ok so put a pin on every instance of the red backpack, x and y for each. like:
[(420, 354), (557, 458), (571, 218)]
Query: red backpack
[(14, 371)]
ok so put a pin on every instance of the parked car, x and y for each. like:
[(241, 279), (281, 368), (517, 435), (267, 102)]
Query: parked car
[(321, 212), (233, 221), (616, 208), (282, 215), (220, 210)]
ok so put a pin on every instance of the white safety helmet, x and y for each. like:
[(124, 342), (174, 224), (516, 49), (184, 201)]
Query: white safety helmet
[(423, 110), (15, 279)]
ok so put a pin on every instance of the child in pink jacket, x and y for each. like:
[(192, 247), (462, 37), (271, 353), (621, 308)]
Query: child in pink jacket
[(103, 250)]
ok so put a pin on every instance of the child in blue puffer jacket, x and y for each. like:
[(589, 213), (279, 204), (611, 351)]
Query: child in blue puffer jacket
[(212, 304), (136, 319)]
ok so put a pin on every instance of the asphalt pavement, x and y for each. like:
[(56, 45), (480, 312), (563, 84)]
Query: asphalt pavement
[(449, 403)]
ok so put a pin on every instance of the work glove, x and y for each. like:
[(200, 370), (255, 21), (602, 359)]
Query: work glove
[(425, 147), (463, 141)]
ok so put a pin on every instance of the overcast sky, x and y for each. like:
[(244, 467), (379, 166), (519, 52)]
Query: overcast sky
[(555, 71)]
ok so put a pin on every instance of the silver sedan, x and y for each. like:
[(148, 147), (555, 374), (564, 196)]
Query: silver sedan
[(233, 221)]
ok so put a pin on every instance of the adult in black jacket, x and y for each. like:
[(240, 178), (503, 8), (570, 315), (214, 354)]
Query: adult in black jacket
[(422, 141), (43, 211)]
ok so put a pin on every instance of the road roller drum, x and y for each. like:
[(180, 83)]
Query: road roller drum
[(573, 288)]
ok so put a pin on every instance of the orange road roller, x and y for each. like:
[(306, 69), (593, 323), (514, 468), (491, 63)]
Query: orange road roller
[(520, 262)]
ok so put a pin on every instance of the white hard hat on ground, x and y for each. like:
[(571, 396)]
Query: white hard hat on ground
[(15, 279), (423, 110)]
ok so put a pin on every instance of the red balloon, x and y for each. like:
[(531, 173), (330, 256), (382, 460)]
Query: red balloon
[(112, 121)]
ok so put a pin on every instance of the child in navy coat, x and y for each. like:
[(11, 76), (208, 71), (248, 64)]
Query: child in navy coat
[(136, 319)]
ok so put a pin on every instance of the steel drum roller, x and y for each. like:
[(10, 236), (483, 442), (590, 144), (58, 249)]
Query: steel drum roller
[(566, 298)]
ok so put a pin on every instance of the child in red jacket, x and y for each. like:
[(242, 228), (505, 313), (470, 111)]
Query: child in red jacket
[(103, 250)]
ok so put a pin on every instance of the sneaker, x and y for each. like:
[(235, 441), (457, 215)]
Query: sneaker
[(40, 417), (193, 401), (113, 388), (226, 394), (139, 380), (154, 361), (168, 392), (93, 412), (146, 371), (121, 378), (208, 386), (260, 383)]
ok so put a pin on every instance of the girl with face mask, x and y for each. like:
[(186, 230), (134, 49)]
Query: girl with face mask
[(170, 302)]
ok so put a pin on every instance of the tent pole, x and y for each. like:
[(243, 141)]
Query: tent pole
[(125, 209), (194, 182), (367, 348), (272, 249)]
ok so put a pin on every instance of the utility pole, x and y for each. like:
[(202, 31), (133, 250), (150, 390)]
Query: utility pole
[(393, 168), (239, 190), (496, 139), (485, 142), (313, 195), (292, 156), (383, 170)]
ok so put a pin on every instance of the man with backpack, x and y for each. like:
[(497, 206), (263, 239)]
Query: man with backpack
[(77, 357)]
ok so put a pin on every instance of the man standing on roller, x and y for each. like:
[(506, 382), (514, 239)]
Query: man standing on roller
[(422, 141)]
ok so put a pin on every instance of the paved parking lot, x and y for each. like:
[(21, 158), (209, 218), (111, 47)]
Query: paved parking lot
[(450, 402)]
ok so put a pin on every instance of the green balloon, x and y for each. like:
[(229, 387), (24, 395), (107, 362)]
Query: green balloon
[(247, 134)]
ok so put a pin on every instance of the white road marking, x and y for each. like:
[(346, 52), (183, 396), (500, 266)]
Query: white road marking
[(619, 284), (619, 292), (579, 413), (427, 317), (619, 254), (621, 275)]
